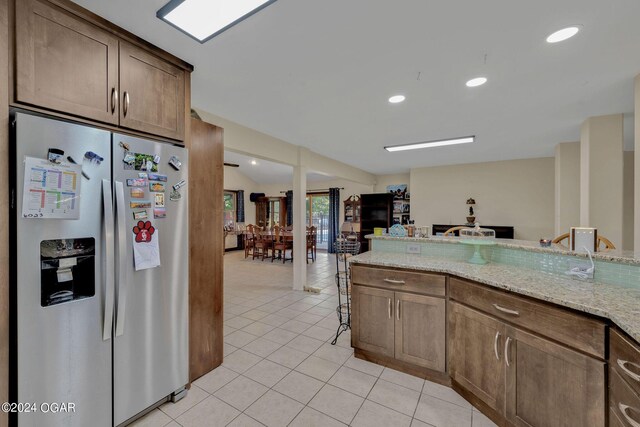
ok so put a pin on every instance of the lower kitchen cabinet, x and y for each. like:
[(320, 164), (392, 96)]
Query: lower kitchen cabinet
[(372, 324), (528, 379), (551, 385), (420, 330), (404, 326), (475, 354)]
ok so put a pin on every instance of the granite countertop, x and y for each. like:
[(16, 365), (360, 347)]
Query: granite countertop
[(615, 255), (619, 304)]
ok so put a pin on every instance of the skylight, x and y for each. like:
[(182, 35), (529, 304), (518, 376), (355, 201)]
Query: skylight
[(205, 19)]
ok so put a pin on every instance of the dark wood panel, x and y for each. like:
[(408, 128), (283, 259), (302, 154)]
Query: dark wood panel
[(475, 357), (399, 280), (420, 330), (565, 326), (4, 208), (372, 325), (153, 93), (624, 358), (65, 64), (206, 184), (548, 384)]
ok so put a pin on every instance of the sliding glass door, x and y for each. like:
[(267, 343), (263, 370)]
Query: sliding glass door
[(318, 216)]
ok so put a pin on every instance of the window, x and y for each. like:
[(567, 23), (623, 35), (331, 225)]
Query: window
[(230, 210)]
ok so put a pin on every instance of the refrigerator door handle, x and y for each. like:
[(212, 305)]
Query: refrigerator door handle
[(122, 252), (108, 231)]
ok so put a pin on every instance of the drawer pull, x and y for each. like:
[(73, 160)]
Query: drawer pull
[(495, 345), (506, 350), (395, 282), (623, 408), (506, 310), (626, 370), (389, 307)]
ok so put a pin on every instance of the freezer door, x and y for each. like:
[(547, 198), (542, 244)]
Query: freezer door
[(62, 356), (151, 341)]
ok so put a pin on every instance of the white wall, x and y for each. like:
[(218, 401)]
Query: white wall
[(518, 193), (235, 180), (383, 180), (628, 226), (567, 187)]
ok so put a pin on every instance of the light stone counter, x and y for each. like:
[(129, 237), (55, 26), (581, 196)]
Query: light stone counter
[(619, 304)]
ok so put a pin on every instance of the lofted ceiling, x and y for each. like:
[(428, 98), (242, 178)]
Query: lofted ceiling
[(319, 73)]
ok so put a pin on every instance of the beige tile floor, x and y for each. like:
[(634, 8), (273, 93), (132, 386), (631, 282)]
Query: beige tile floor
[(281, 370)]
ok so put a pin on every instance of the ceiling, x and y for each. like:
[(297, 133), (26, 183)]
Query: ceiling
[(266, 172), (318, 73)]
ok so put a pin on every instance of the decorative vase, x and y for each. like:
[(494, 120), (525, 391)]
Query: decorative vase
[(471, 219)]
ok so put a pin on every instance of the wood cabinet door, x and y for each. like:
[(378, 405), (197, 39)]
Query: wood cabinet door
[(153, 93), (475, 358), (64, 63), (372, 324), (550, 385), (420, 332)]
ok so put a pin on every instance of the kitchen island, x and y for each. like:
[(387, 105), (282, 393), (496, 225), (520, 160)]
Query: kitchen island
[(520, 340)]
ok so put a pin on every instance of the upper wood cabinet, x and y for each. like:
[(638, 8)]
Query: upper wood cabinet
[(152, 93), (64, 63), (72, 62)]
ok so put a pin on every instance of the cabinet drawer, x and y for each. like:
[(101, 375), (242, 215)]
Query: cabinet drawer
[(399, 280), (623, 402), (556, 323), (624, 358)]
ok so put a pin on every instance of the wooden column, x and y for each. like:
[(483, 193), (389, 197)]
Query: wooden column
[(4, 207), (206, 243)]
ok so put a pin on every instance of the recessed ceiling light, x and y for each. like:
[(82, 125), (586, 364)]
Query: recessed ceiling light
[(396, 99), (563, 34), (429, 144), (253, 162), (478, 81), (205, 19)]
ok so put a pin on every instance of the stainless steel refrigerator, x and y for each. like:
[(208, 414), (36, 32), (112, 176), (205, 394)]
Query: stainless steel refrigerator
[(88, 328)]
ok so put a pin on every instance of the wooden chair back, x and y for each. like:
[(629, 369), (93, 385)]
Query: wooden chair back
[(601, 241)]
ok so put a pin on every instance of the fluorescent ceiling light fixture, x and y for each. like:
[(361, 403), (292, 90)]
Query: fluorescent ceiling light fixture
[(205, 19), (478, 81), (430, 144), (397, 99), (563, 34)]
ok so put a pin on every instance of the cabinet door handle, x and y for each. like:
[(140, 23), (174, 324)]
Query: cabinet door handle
[(395, 282), (114, 100), (389, 307), (623, 408), (623, 363), (495, 345), (506, 350), (398, 309), (506, 310), (125, 107)]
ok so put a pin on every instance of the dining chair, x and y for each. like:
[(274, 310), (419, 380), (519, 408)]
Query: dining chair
[(601, 241), (261, 245), (280, 245), (452, 230), (311, 243), (248, 240)]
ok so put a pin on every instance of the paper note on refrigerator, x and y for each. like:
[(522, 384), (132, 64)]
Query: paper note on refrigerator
[(146, 254), (51, 190)]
